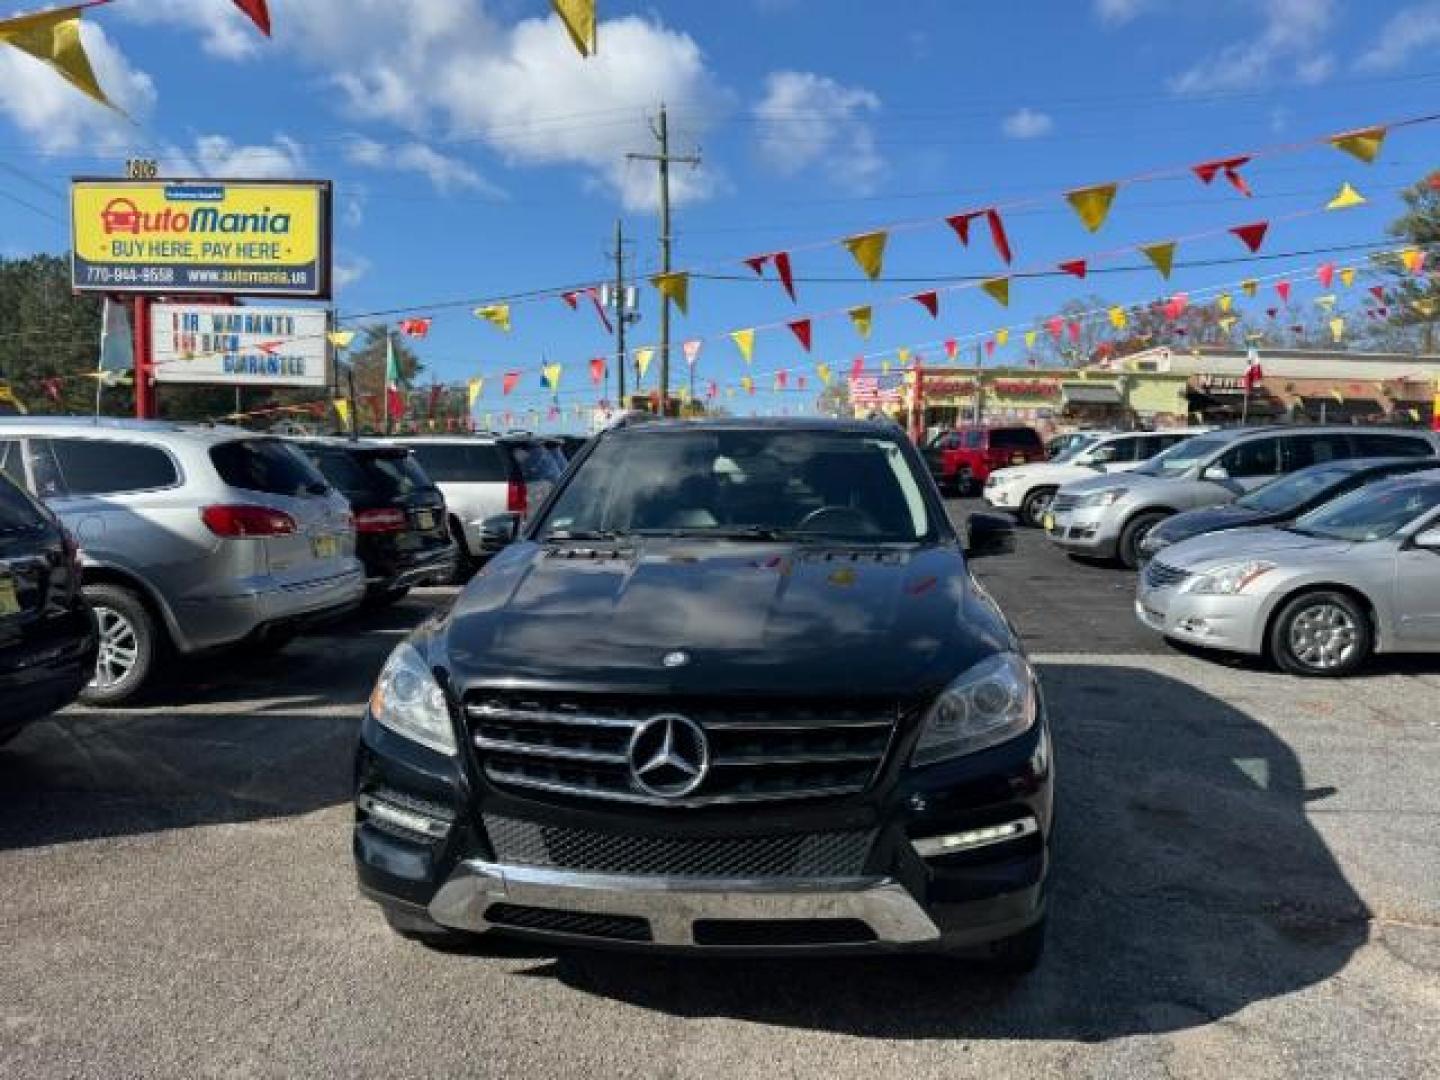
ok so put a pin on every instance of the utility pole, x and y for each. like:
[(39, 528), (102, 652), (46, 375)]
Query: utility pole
[(620, 355), (664, 157)]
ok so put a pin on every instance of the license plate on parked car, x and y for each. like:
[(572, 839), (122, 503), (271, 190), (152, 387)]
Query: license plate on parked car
[(9, 598), (425, 519), (326, 547), (1049, 522)]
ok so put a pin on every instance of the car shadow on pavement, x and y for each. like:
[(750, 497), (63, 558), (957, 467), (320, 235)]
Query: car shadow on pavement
[(1187, 884)]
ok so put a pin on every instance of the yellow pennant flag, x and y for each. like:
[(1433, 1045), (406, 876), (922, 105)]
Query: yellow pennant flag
[(1162, 255), (1426, 307), (885, 367), (1413, 260), (860, 316), (999, 289), (1250, 286), (1030, 336), (823, 370), (1227, 321), (1347, 276), (579, 19), (1224, 301), (341, 339), (1364, 144), (745, 342), (53, 38), (642, 360), (674, 287), (473, 389), (1337, 328), (868, 250), (1093, 204), (1327, 301), (497, 315), (1002, 337), (342, 410), (903, 355), (552, 376), (1117, 317), (1346, 198), (747, 384)]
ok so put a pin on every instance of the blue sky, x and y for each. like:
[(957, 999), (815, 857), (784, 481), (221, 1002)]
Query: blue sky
[(475, 154)]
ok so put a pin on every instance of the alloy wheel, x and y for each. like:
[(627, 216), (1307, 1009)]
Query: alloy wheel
[(1324, 636), (119, 648)]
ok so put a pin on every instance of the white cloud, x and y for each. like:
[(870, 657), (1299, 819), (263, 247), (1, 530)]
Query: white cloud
[(812, 123), (218, 156), (224, 31), (1119, 11), (61, 119), (1412, 31), (446, 173), (1026, 123), (1288, 43), (349, 269)]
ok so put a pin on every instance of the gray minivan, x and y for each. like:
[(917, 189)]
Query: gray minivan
[(1108, 516), (191, 537)]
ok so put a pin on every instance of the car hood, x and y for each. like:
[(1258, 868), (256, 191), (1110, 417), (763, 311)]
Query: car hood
[(1261, 542), (1128, 480), (1046, 471), (1213, 519), (751, 618)]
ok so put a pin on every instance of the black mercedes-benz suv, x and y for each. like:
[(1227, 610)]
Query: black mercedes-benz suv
[(733, 689)]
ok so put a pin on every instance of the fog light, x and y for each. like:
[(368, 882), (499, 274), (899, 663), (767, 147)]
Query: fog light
[(401, 817), (971, 839), (1198, 627)]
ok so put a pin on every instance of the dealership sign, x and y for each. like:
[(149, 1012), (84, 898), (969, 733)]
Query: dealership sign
[(240, 237), (238, 346)]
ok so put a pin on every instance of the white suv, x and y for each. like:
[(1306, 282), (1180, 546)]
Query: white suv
[(1026, 490)]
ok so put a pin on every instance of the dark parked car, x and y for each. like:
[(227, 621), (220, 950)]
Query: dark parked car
[(1280, 501), (962, 460), (570, 445), (48, 639), (734, 690), (401, 532)]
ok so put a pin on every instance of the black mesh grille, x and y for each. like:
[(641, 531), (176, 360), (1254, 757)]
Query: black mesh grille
[(1160, 576), (811, 855), (579, 923)]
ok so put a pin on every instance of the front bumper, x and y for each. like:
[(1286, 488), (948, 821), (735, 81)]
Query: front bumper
[(1231, 623), (912, 891), (1084, 531), (1003, 497)]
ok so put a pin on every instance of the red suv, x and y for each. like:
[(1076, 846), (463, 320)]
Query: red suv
[(962, 460)]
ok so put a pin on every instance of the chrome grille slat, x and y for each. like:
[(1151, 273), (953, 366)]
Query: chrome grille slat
[(760, 750)]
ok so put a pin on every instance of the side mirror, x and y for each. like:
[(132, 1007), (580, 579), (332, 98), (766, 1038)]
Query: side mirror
[(1215, 472), (988, 534), (1428, 538), (500, 530)]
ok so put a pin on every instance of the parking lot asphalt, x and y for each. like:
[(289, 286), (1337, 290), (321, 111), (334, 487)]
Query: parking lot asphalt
[(1246, 884)]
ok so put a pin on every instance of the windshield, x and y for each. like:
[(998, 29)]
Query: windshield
[(1294, 490), (1372, 513), (744, 483), (1182, 457), (1074, 447)]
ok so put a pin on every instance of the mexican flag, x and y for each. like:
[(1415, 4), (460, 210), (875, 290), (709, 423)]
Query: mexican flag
[(394, 401)]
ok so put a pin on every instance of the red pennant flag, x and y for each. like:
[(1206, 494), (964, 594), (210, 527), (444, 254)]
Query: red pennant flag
[(801, 329), (509, 381), (1056, 326), (571, 299), (800, 381), (1230, 167), (1074, 266), (961, 224), (997, 234), (259, 13), (1282, 289), (594, 295), (1252, 236), (1326, 274), (930, 301), (1074, 328), (951, 347), (416, 328), (781, 259), (782, 378), (1377, 291), (597, 370), (712, 390), (990, 347), (857, 367), (757, 263), (1175, 306), (395, 402)]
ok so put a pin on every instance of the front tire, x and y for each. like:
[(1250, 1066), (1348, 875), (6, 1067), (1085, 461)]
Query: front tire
[(129, 644), (1037, 501), (1322, 634), (1135, 530)]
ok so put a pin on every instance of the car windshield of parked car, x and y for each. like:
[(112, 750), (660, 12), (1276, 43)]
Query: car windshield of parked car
[(1295, 490), (1181, 457), (744, 484), (1371, 513), (1078, 445)]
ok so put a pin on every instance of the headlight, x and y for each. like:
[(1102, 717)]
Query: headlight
[(1227, 580), (992, 702), (409, 701), (1108, 497)]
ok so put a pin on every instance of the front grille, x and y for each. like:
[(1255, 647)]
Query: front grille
[(758, 750), (1160, 576), (1063, 502), (801, 855), (578, 923)]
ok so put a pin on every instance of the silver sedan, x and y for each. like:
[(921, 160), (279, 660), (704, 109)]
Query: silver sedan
[(1356, 576)]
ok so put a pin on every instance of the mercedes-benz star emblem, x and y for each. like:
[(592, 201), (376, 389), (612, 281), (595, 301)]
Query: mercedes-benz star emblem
[(678, 658), (669, 756)]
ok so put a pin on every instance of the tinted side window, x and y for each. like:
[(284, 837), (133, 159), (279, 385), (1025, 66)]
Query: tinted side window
[(535, 462), (1385, 444), (972, 440), (343, 471), (457, 463), (12, 461), (17, 511), (1258, 457), (266, 465), (1302, 451), (1151, 445), (106, 467), (1014, 439)]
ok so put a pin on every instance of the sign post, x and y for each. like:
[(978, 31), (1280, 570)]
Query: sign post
[(144, 360)]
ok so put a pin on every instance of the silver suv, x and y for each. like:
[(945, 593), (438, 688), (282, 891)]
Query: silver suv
[(1108, 516), (191, 537)]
